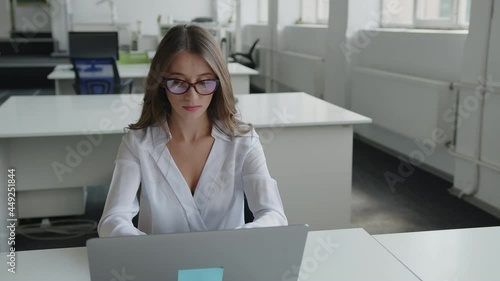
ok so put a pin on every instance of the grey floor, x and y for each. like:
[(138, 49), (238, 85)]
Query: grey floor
[(420, 203)]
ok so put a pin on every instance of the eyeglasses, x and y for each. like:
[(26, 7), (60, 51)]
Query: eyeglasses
[(179, 87)]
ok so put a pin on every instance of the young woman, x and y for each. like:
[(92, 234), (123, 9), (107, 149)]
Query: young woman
[(189, 154)]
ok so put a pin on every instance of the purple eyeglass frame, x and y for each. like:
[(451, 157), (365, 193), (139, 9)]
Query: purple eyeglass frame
[(164, 85)]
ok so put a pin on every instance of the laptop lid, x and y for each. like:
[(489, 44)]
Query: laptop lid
[(271, 253)]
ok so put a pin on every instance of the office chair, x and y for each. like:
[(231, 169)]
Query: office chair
[(248, 213), (246, 59), (203, 20), (94, 76)]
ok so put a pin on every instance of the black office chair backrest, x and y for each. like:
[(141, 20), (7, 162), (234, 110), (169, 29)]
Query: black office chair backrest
[(96, 75), (248, 213), (250, 52), (246, 59)]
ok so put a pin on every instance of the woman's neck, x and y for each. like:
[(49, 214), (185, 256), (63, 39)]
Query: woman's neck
[(189, 130)]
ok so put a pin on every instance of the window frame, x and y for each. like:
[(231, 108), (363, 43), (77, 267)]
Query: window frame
[(261, 3), (457, 20), (462, 14), (317, 20)]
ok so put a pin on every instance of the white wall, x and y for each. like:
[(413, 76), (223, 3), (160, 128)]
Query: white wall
[(32, 18), (249, 12), (287, 54), (299, 64), (477, 171), (401, 79), (335, 74), (287, 13), (309, 56), (60, 23), (255, 31), (310, 40), (357, 20), (224, 11), (422, 54), (432, 55), (5, 20), (147, 11), (419, 101)]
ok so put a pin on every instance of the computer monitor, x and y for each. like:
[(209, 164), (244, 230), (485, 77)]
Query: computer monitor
[(93, 44)]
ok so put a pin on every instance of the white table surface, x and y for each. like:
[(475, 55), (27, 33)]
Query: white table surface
[(448, 255), (348, 254), (355, 256), (78, 114), (239, 69), (63, 71)]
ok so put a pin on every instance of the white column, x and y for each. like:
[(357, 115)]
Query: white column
[(237, 28), (335, 60), (281, 13), (478, 114), (347, 36), (5, 19), (214, 10), (474, 67), (61, 23), (272, 25)]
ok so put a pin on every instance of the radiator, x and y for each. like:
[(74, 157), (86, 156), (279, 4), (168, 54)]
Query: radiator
[(299, 72), (407, 105)]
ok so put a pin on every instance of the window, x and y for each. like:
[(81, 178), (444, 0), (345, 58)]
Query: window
[(263, 11), (225, 11), (435, 14), (315, 11), (464, 10)]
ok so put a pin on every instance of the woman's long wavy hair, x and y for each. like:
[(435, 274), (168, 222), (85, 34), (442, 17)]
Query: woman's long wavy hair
[(196, 40)]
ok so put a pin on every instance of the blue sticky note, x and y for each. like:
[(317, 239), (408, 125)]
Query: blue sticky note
[(201, 274)]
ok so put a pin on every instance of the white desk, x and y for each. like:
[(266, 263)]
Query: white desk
[(307, 142), (30, 61), (64, 77), (448, 255), (349, 255)]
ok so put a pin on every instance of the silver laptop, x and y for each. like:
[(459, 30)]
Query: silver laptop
[(257, 254)]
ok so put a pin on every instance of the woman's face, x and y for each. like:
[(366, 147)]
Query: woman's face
[(191, 68)]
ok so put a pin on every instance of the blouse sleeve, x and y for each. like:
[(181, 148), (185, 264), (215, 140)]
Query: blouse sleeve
[(122, 204), (261, 190)]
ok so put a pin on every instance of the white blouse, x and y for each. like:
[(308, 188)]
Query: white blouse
[(235, 166)]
